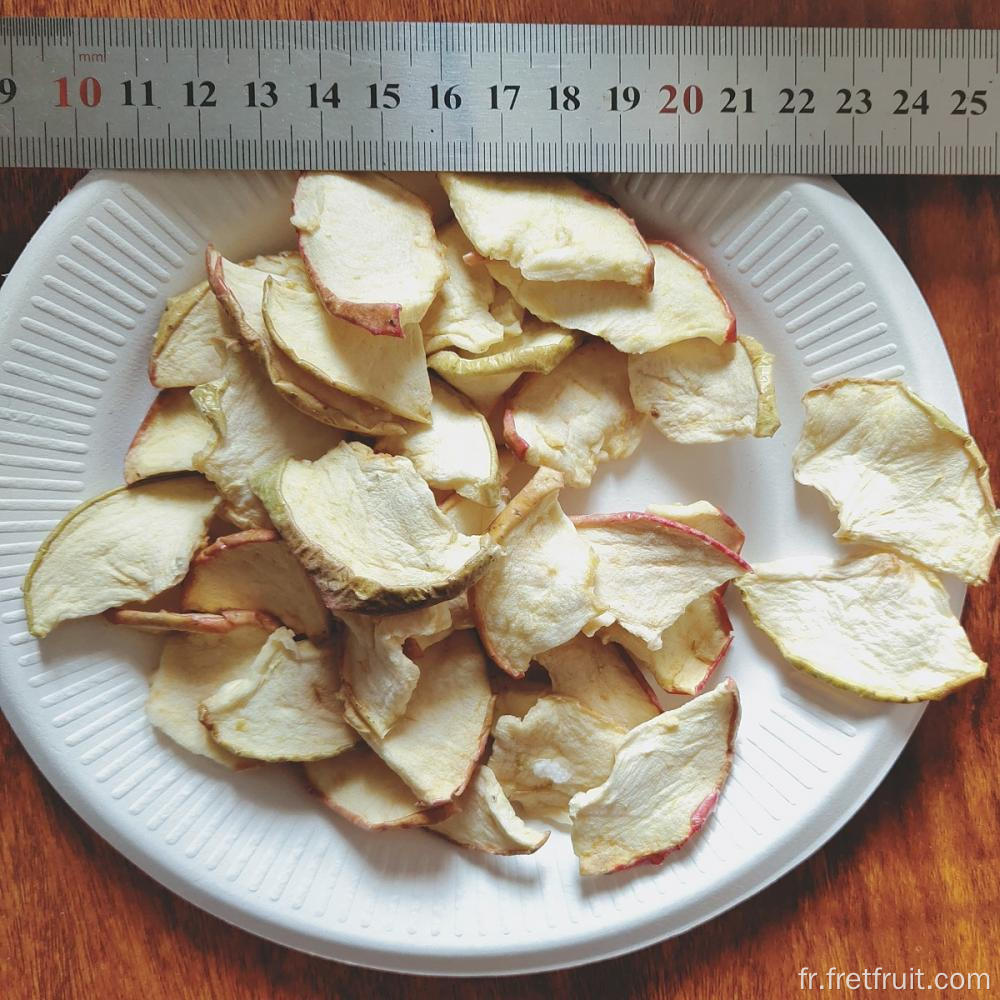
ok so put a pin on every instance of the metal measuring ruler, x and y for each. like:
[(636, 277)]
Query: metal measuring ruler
[(135, 93)]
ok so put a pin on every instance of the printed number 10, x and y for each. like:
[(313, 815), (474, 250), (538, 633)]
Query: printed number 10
[(90, 92)]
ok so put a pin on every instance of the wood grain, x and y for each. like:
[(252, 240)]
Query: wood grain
[(912, 881)]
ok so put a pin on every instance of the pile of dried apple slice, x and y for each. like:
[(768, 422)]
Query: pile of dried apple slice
[(343, 512)]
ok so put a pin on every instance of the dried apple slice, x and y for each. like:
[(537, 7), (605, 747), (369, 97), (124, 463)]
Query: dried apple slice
[(684, 303), (601, 678), (160, 621), (255, 428), (287, 708), (367, 529), (170, 435), (900, 475), (705, 517), (550, 228), (193, 667), (370, 248), (539, 592), (486, 821), (666, 781), (558, 749), (255, 569), (576, 416), (698, 391), (650, 569), (125, 545), (456, 452), (435, 747), (876, 625)]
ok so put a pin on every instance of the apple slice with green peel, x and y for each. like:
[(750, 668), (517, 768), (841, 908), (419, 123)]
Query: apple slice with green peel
[(170, 435), (539, 592), (287, 708), (900, 475), (194, 666), (358, 786), (255, 569), (602, 678), (650, 569), (367, 529), (370, 248), (558, 749), (550, 228), (158, 622), (455, 452), (485, 820), (684, 303), (254, 429), (697, 391), (575, 417), (437, 744), (664, 784), (426, 186), (105, 553), (705, 517), (877, 625)]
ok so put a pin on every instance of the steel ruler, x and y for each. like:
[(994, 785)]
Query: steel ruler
[(197, 94)]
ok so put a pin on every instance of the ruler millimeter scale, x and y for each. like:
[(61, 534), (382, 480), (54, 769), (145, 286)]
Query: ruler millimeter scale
[(129, 93)]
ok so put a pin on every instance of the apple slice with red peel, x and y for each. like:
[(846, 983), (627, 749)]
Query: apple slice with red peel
[(575, 417), (684, 303), (650, 569), (706, 517), (255, 569), (550, 228), (157, 622), (664, 784), (539, 592), (697, 391), (602, 678), (485, 821), (170, 435), (370, 249)]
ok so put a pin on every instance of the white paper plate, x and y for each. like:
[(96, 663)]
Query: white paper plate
[(806, 272)]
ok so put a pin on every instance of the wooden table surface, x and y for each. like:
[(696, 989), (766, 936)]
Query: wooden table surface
[(912, 881)]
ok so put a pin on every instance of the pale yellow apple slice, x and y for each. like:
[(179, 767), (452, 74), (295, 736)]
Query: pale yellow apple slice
[(370, 248), (877, 625), (539, 592), (437, 744), (367, 529), (129, 544), (697, 391), (558, 749), (286, 708), (575, 417), (665, 783), (456, 451), (255, 569), (485, 821), (194, 666), (602, 678), (170, 435), (160, 621), (550, 228), (684, 303), (900, 474), (255, 428), (650, 569)]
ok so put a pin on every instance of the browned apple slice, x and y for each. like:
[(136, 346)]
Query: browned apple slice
[(170, 435)]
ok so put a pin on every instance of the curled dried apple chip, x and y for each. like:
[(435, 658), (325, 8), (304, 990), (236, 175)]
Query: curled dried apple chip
[(575, 417), (664, 784), (170, 435), (370, 248), (367, 529), (683, 303), (192, 340), (877, 625), (485, 821), (698, 391), (161, 620), (285, 708), (900, 474), (539, 592), (255, 569), (705, 517), (126, 545), (550, 228)]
